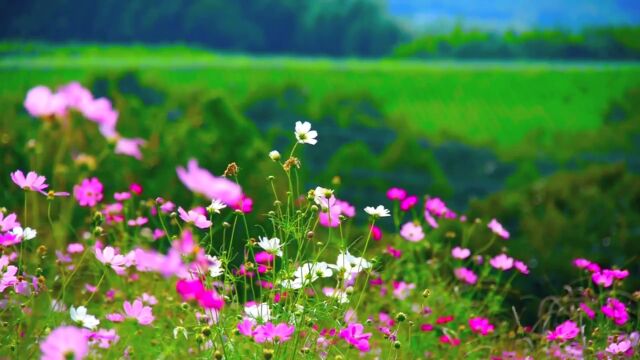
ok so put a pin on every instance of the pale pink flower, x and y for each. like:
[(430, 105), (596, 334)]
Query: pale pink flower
[(619, 348), (138, 312), (32, 182), (401, 289), (41, 102), (412, 232), (466, 275), (460, 253), (273, 333), (75, 248), (65, 342), (194, 217), (497, 229), (502, 262), (201, 181), (245, 327), (9, 222), (129, 147), (8, 277), (109, 257), (521, 267)]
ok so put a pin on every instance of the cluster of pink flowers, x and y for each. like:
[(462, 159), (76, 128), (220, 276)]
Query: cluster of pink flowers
[(268, 332), (330, 216), (195, 290), (481, 326), (43, 103), (466, 275), (616, 311), (406, 201)]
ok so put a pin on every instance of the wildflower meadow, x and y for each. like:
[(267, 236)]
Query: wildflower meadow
[(91, 271)]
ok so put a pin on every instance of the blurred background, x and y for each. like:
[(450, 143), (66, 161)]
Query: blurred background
[(524, 111)]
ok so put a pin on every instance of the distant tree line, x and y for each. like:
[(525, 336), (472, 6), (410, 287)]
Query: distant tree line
[(605, 43), (316, 27)]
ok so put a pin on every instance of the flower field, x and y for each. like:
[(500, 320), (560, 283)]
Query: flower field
[(93, 270)]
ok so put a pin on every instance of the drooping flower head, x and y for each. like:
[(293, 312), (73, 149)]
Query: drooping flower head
[(497, 229)]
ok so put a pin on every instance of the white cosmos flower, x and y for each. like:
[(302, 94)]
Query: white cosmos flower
[(258, 312), (379, 211), (25, 234), (349, 264), (341, 295), (272, 246), (216, 206), (215, 266), (80, 316), (324, 197), (307, 273), (304, 134)]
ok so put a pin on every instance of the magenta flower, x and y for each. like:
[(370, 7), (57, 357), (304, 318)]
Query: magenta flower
[(273, 333), (604, 279), (502, 262), (481, 326), (412, 232), (521, 267), (460, 253), (65, 342), (587, 310), (396, 194), (497, 229), (466, 275), (201, 181), (41, 102), (88, 192), (109, 257), (139, 312), (563, 332), (354, 334), (129, 147), (195, 218), (616, 310), (245, 327), (581, 263), (408, 203), (376, 233), (209, 299), (436, 207), (32, 182)]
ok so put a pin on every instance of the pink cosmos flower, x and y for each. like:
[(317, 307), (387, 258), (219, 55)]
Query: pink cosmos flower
[(130, 147), (412, 232), (616, 310), (122, 196), (88, 192), (460, 253), (426, 327), (115, 317), (41, 102), (581, 263), (396, 253), (138, 312), (502, 262), (354, 334), (604, 279), (109, 257), (481, 326), (587, 310), (32, 182), (264, 257), (273, 333), (408, 203), (621, 347), (563, 332), (75, 248), (497, 229), (201, 181), (139, 221), (396, 194), (245, 327), (444, 319), (465, 275), (9, 222), (376, 233), (445, 339), (616, 273), (521, 267), (136, 188), (436, 207), (8, 277), (209, 299), (195, 218), (104, 338), (65, 342), (401, 289), (75, 95)]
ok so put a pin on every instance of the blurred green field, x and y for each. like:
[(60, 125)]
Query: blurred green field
[(487, 103)]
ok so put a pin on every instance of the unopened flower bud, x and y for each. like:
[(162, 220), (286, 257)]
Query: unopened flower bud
[(314, 208), (274, 155), (310, 235), (267, 354), (400, 317), (397, 344), (426, 293), (226, 224)]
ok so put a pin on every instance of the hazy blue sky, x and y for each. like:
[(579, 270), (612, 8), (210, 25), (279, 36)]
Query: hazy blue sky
[(519, 14)]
